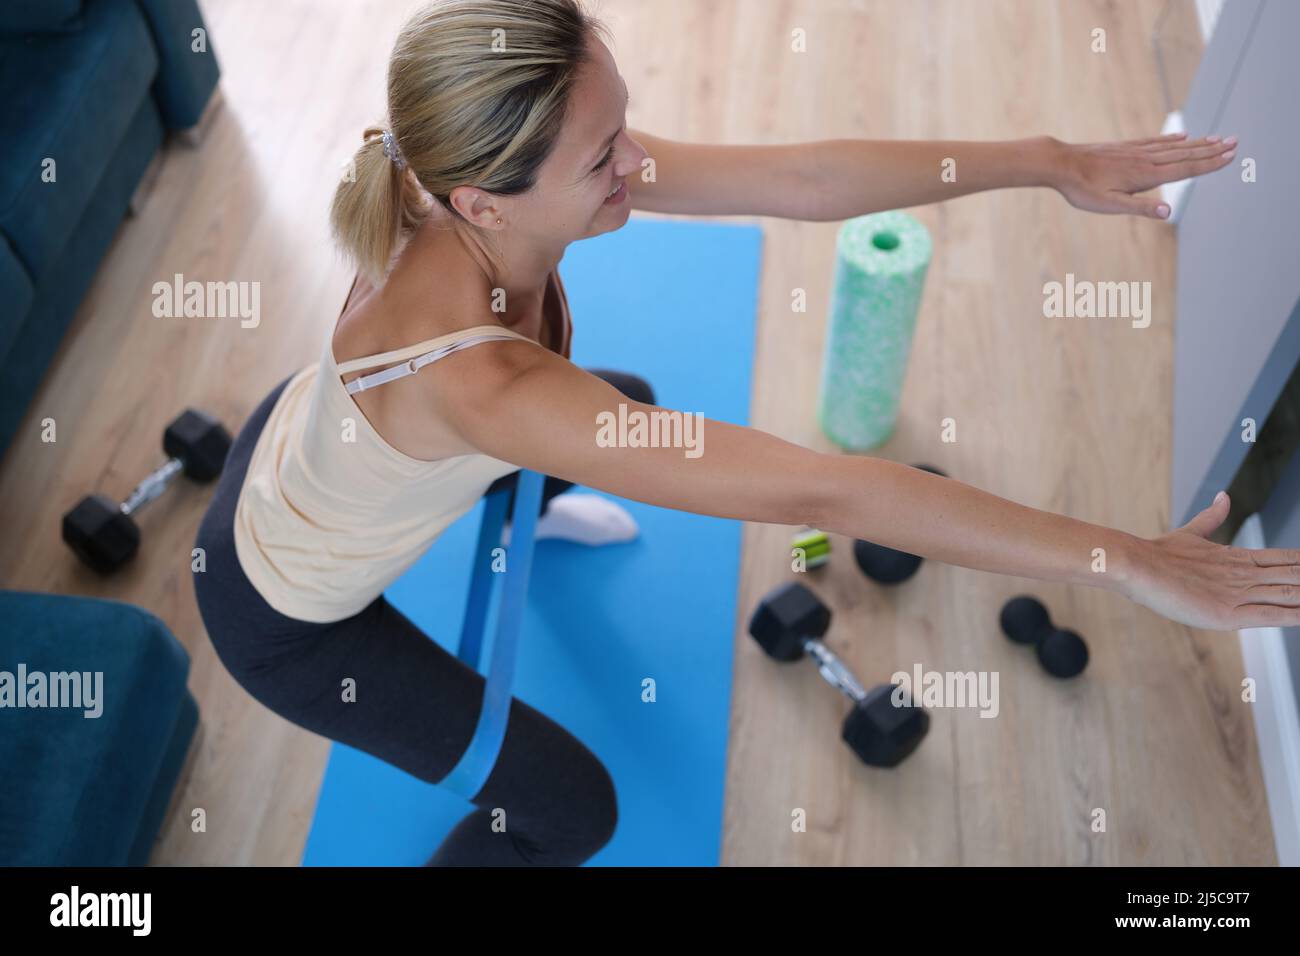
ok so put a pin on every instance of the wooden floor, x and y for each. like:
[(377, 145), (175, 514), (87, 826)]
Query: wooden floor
[(1067, 415)]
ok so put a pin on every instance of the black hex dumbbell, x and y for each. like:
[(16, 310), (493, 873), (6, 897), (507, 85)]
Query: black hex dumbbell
[(788, 625), (1062, 653), (103, 533), (887, 565)]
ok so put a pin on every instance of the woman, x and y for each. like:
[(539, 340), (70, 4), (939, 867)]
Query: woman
[(448, 370)]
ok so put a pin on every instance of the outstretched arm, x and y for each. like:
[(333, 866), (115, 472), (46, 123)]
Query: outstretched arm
[(842, 178), (1181, 575), (525, 405)]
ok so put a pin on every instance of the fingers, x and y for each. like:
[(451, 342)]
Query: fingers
[(1204, 523), (1166, 138), (1164, 157), (1265, 615), (1275, 557), (1197, 167), (1270, 575), (1159, 146), (1282, 595), (1153, 207), (1176, 140)]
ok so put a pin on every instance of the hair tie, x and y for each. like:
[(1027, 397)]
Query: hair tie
[(391, 150)]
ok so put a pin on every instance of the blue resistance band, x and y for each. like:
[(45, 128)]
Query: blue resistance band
[(471, 772)]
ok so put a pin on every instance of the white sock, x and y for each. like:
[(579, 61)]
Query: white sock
[(586, 519)]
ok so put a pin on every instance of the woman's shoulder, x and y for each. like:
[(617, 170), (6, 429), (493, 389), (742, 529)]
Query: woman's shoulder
[(382, 318)]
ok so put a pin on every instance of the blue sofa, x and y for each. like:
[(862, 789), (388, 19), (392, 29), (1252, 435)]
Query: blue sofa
[(91, 85), (83, 790)]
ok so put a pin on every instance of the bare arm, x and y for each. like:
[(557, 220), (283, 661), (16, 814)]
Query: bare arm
[(525, 405), (1182, 575), (841, 178), (528, 406)]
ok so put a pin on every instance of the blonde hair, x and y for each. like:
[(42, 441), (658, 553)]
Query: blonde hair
[(477, 93)]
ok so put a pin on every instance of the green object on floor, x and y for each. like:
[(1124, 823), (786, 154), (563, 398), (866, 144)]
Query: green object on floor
[(880, 266), (816, 546)]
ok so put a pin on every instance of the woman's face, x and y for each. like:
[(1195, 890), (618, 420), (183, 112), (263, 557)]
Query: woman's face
[(592, 157)]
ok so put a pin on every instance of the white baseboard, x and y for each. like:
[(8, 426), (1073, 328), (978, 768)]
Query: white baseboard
[(1277, 719), (1207, 15), (1174, 194)]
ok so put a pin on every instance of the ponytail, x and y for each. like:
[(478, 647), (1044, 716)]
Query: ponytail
[(375, 205)]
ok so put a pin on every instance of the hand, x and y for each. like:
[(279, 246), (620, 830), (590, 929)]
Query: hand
[(1103, 177), (1187, 578)]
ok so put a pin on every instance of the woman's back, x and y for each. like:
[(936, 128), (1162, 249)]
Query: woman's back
[(434, 289), (345, 491)]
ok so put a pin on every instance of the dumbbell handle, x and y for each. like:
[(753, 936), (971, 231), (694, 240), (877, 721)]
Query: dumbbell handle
[(152, 487), (833, 670)]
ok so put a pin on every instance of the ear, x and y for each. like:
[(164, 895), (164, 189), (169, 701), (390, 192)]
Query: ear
[(476, 206)]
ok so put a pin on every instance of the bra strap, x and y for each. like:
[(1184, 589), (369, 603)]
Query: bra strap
[(410, 351), (411, 366)]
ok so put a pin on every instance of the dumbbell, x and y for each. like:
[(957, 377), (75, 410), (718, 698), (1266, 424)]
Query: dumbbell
[(104, 534), (1062, 653), (886, 565), (789, 624)]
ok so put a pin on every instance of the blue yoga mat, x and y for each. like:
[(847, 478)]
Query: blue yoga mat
[(675, 303)]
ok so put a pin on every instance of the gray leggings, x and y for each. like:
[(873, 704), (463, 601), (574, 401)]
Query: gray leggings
[(417, 705)]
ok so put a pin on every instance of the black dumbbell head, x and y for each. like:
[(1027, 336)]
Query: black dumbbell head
[(882, 733), (1024, 619), (200, 442), (100, 534), (884, 565), (1063, 654), (788, 614)]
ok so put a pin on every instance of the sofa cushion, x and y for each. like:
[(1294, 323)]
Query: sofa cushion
[(67, 97), (15, 293), (28, 356), (80, 780), (186, 76), (39, 16)]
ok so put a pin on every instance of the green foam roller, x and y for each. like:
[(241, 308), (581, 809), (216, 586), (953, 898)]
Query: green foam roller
[(880, 266)]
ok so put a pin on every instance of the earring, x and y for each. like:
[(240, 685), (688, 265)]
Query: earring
[(498, 221)]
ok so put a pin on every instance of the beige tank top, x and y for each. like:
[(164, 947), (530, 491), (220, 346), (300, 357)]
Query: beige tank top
[(329, 513)]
